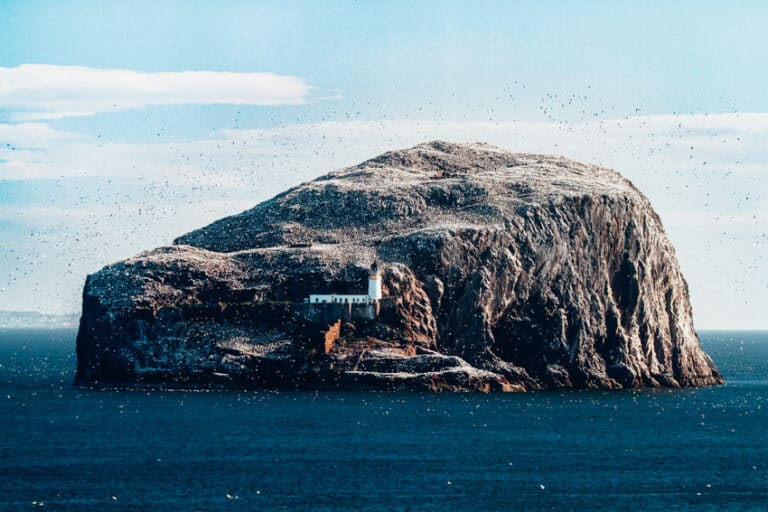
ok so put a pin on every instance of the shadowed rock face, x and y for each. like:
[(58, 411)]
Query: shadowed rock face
[(510, 271)]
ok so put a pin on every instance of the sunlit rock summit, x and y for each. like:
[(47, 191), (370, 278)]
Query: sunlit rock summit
[(497, 271)]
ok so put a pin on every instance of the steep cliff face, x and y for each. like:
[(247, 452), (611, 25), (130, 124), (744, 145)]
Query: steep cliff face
[(506, 271)]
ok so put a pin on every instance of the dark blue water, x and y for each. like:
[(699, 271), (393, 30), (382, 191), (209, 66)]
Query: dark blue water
[(69, 449)]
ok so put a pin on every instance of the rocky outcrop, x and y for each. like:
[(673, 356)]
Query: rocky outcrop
[(504, 271)]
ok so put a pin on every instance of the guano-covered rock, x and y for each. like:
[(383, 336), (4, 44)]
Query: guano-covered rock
[(500, 271)]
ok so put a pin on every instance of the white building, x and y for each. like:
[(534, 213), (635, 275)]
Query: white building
[(374, 293), (317, 298)]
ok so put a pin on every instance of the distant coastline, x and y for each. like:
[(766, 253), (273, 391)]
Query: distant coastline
[(37, 320)]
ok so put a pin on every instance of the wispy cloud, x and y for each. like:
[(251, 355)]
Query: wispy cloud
[(664, 155), (31, 136), (42, 91)]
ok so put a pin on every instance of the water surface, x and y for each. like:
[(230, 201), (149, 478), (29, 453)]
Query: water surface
[(73, 450)]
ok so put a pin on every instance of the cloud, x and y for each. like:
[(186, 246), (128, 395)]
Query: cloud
[(42, 91), (31, 136), (676, 160)]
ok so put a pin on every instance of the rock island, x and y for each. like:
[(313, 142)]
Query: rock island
[(440, 267)]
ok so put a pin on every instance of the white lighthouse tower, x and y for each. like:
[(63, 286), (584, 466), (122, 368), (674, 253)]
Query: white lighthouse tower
[(374, 284)]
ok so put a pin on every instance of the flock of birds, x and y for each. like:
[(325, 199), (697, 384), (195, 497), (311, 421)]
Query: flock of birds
[(98, 217)]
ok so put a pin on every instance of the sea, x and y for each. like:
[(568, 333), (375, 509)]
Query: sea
[(70, 449)]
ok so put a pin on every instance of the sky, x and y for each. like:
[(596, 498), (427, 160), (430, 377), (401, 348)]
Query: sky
[(126, 124)]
